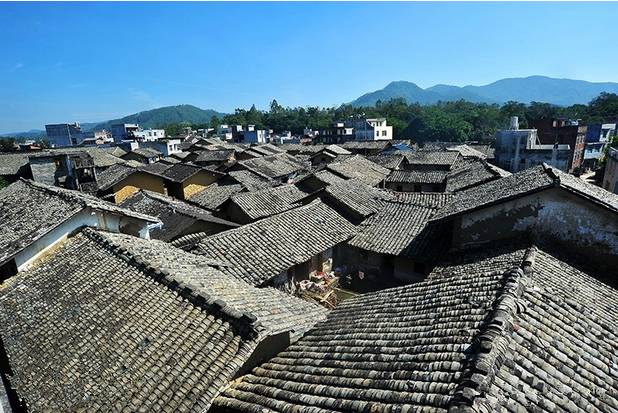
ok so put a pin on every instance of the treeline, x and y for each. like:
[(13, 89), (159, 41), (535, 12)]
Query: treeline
[(446, 121)]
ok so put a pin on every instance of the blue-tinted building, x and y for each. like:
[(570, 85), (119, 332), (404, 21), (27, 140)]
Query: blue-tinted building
[(64, 134)]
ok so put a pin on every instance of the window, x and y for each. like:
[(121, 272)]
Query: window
[(378, 133), (383, 133)]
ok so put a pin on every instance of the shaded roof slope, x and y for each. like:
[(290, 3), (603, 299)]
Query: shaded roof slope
[(175, 215), (270, 201), (397, 223), (260, 251)]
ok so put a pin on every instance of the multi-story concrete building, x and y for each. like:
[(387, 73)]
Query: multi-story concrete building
[(564, 132), (124, 131), (518, 149), (610, 179), (64, 134), (597, 138), (339, 132), (166, 146), (371, 129)]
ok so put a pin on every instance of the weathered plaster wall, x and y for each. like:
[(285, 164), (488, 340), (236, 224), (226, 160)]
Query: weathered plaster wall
[(197, 183), (134, 183), (552, 216)]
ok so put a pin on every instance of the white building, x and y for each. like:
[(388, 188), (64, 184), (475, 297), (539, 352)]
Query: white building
[(225, 132), (372, 130), (149, 134), (166, 146)]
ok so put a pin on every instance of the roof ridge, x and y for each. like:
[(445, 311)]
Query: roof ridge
[(489, 348), (549, 170), (245, 323)]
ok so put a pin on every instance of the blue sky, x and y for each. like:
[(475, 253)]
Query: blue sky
[(95, 61)]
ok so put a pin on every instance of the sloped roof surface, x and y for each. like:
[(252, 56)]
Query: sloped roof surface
[(470, 172), (371, 145), (175, 215), (215, 195), (389, 161), (428, 158), (259, 251), (250, 180), (29, 210), (522, 183), (417, 177), (11, 163), (275, 311), (397, 223), (273, 166), (487, 335), (114, 174), (361, 168), (92, 328), (267, 202), (356, 195)]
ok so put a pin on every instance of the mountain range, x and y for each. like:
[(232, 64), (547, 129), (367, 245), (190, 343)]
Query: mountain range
[(561, 92)]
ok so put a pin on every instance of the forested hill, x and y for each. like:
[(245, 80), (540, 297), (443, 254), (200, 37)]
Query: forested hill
[(160, 117), (562, 92)]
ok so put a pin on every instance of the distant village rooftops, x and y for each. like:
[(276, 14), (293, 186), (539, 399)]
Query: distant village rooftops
[(273, 166)]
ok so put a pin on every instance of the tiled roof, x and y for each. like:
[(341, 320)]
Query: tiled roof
[(29, 210), (522, 183), (390, 161), (483, 337), (357, 196), (215, 195), (100, 157), (469, 172), (275, 311), (93, 327), (301, 149), (146, 152), (267, 202), (418, 177), (263, 249), (115, 151), (157, 167), (214, 156), (175, 215), (266, 149), (361, 168), (116, 173), (397, 223), (11, 163), (274, 166), (337, 150), (468, 151), (250, 180), (180, 172), (431, 158), (328, 177), (371, 145)]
